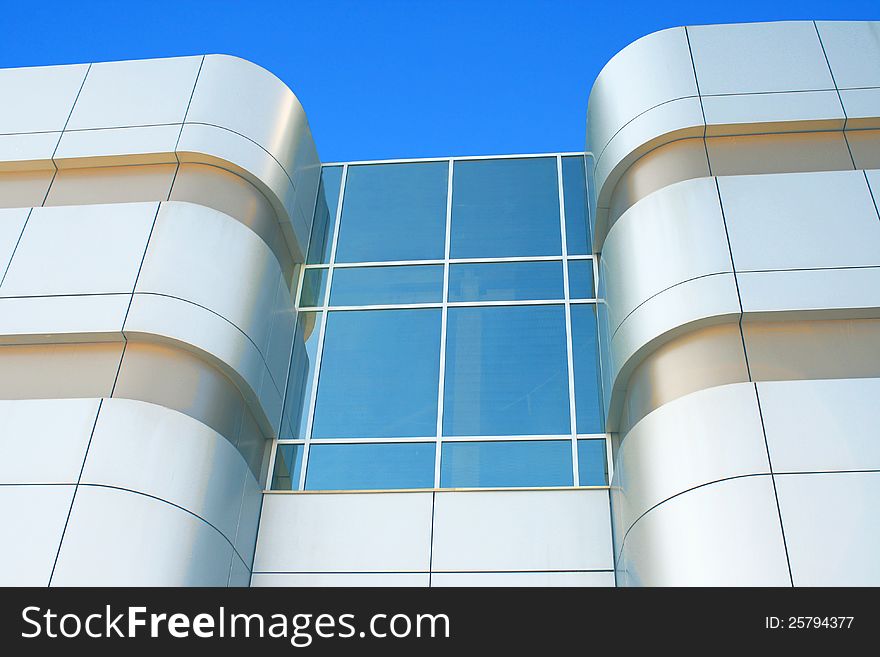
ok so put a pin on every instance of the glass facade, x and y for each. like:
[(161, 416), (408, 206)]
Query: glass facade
[(446, 335)]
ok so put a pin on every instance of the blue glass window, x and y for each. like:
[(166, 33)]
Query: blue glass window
[(288, 461), (506, 463), (577, 229), (370, 466), (580, 279), (362, 286), (324, 222), (506, 372), (503, 208), (314, 288), (592, 462), (393, 212), (379, 374), (586, 369), (302, 372), (505, 281)]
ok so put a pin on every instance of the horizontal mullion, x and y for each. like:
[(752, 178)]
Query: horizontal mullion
[(451, 304), (361, 441), (429, 439), (456, 158)]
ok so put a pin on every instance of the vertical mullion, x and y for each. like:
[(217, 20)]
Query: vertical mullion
[(572, 415), (326, 317), (443, 320)]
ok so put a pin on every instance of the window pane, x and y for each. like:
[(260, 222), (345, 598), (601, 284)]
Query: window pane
[(577, 229), (506, 372), (586, 369), (592, 462), (362, 286), (313, 289), (580, 279), (302, 372), (379, 374), (393, 212), (288, 461), (505, 281), (506, 463), (325, 216), (505, 208), (370, 466)]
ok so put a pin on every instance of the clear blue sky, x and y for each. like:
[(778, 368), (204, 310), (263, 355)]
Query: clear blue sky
[(397, 78)]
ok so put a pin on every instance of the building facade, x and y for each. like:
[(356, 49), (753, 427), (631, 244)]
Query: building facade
[(652, 363)]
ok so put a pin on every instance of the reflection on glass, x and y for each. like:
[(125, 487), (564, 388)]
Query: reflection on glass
[(586, 369), (580, 279), (380, 374), (370, 466), (288, 462), (507, 207), (393, 212), (505, 281), (506, 372), (313, 289), (324, 223), (302, 372), (592, 462), (365, 286), (577, 230), (506, 463)]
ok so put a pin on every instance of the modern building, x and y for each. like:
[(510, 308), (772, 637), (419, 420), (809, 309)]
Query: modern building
[(655, 362)]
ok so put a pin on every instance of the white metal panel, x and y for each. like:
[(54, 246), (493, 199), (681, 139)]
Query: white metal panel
[(249, 517), (873, 178), (683, 159), (723, 534), (206, 257), (522, 530), (153, 316), (694, 440), (800, 220), (853, 50), (832, 527), (759, 57), (62, 318), (817, 293), (118, 538), (699, 302), (674, 235), (33, 521), (85, 249), (652, 70), (357, 532), (28, 151), (138, 145), (822, 425), (245, 98), (44, 441), (11, 224), (660, 125), (603, 578), (340, 579), (209, 144), (239, 574), (39, 98), (135, 92), (163, 453), (862, 107), (741, 114), (280, 339)]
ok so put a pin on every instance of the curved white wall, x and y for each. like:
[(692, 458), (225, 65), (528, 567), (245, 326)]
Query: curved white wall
[(157, 210), (739, 245)]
